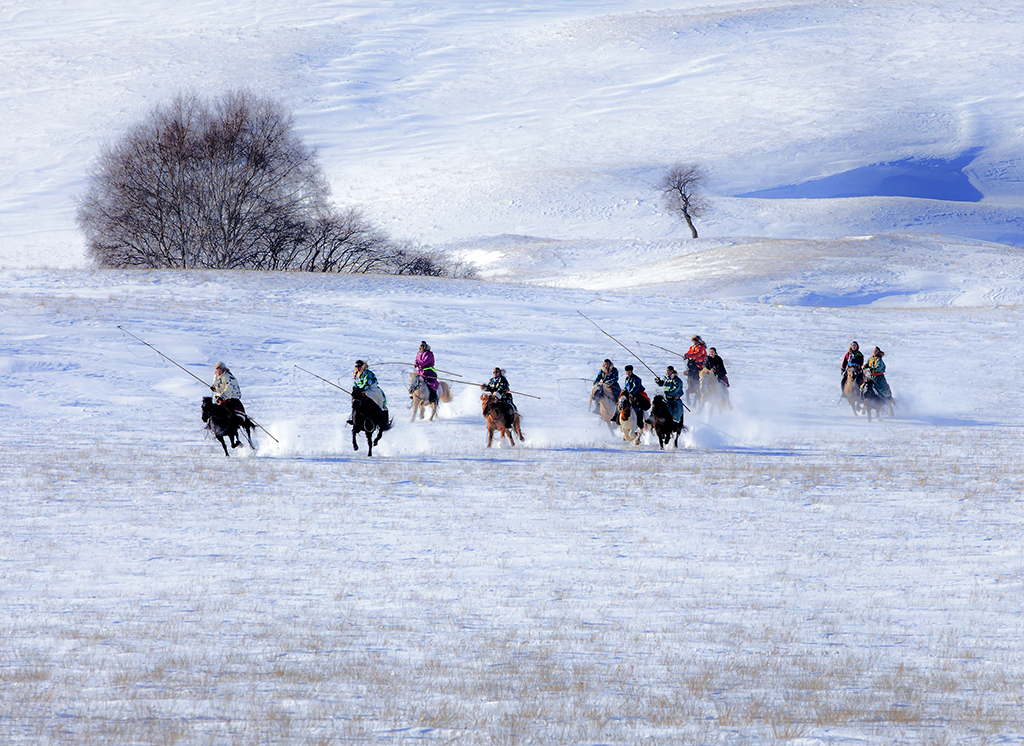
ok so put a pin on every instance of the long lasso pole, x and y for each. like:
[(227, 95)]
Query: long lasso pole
[(613, 339), (332, 383), (470, 383), (173, 362)]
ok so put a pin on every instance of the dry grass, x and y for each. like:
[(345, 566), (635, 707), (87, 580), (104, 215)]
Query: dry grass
[(266, 601)]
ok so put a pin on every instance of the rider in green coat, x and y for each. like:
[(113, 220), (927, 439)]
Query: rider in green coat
[(672, 388)]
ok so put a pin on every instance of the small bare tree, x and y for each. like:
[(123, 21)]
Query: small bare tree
[(681, 190)]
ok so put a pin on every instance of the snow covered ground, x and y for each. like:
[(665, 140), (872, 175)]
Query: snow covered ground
[(792, 573)]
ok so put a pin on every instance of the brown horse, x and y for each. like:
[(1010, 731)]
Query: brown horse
[(851, 389), (419, 392), (713, 393), (501, 419), (602, 401)]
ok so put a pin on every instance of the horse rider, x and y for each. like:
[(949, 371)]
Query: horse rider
[(608, 377), (853, 362), (425, 369), (364, 381), (716, 365), (634, 387), (696, 356), (498, 385), (672, 388), (875, 375), (226, 391)]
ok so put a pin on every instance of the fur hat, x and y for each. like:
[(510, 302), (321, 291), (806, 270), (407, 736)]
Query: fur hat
[(221, 366), (628, 367)]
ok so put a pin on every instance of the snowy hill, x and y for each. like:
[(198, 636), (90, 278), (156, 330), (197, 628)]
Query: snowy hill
[(458, 120), (791, 574)]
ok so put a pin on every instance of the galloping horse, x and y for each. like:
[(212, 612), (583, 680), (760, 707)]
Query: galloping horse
[(367, 417), (875, 404), (420, 393), (224, 423), (603, 404), (663, 424), (631, 427), (713, 392), (851, 389), (693, 372), (500, 418)]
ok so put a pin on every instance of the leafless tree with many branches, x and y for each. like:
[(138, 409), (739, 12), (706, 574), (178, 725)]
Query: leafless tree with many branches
[(681, 190)]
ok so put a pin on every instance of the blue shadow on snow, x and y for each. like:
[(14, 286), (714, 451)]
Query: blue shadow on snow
[(924, 178)]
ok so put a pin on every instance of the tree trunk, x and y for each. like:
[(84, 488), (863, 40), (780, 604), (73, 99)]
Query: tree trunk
[(693, 230)]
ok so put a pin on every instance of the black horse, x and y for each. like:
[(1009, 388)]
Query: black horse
[(663, 424), (366, 418), (226, 423), (874, 403)]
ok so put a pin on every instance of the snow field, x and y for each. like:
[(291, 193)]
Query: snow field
[(792, 573)]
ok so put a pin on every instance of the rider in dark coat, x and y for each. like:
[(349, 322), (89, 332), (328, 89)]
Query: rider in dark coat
[(672, 388), (853, 363), (498, 385), (607, 376), (716, 365), (637, 394)]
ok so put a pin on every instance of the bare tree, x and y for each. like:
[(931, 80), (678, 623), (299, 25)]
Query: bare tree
[(680, 189), (227, 184), (216, 184), (344, 242)]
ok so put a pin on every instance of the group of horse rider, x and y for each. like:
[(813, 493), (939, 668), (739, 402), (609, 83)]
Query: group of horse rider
[(698, 358), (229, 394), (870, 376)]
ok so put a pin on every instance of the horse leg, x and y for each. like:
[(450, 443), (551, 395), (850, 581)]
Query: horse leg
[(355, 443), (369, 443), (223, 445)]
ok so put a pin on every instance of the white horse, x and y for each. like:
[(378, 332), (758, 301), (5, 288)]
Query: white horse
[(631, 428), (419, 392)]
